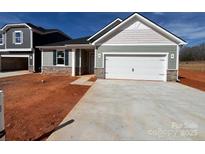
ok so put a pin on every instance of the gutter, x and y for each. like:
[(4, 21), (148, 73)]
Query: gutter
[(45, 47), (67, 46)]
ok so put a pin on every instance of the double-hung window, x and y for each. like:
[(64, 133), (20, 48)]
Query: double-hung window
[(1, 39), (18, 37), (60, 57)]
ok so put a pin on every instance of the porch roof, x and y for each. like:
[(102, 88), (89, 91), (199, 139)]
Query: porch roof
[(73, 42)]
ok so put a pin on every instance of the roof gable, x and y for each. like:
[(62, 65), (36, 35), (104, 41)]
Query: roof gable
[(133, 33), (5, 27), (137, 17), (105, 30), (35, 28)]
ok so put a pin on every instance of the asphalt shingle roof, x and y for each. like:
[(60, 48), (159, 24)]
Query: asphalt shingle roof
[(46, 31), (82, 40), (107, 29)]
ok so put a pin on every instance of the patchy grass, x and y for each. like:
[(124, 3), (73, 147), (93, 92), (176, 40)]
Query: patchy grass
[(193, 65)]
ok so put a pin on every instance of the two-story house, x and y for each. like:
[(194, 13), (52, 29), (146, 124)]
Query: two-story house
[(18, 45)]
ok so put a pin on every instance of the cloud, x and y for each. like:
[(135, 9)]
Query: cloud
[(158, 13), (188, 30)]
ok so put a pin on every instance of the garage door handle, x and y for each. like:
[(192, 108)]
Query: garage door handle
[(133, 69)]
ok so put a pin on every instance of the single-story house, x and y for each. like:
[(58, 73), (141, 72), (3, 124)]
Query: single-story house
[(135, 48)]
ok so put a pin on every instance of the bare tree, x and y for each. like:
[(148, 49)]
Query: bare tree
[(195, 53)]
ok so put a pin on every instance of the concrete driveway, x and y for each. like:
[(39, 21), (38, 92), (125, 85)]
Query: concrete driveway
[(136, 110), (13, 73)]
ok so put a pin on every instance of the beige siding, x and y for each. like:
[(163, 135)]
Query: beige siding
[(137, 33), (48, 58)]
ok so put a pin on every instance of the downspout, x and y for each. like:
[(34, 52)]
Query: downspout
[(178, 50), (178, 47)]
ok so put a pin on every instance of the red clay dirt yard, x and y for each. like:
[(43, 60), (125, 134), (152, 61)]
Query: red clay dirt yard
[(192, 73), (192, 78), (35, 104)]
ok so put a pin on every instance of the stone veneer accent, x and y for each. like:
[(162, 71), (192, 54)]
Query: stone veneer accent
[(99, 72), (171, 75), (57, 70)]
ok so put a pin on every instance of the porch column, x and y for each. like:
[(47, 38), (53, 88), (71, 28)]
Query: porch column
[(80, 61), (73, 62), (0, 63)]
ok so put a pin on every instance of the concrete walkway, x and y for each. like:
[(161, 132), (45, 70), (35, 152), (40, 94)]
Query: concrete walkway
[(83, 80), (136, 110), (13, 73)]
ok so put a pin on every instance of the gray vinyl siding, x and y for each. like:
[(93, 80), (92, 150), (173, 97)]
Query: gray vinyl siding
[(48, 58), (26, 38), (3, 45), (143, 36), (164, 49), (135, 32)]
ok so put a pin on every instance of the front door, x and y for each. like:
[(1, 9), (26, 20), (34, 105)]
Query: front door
[(37, 60)]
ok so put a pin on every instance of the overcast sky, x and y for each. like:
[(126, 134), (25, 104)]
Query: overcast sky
[(189, 26)]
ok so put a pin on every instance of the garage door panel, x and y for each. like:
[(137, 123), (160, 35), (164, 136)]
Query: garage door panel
[(135, 67), (14, 63)]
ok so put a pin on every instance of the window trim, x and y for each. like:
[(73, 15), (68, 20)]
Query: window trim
[(59, 57), (14, 39), (2, 39)]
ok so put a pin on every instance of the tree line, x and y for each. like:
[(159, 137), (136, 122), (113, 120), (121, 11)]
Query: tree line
[(195, 53)]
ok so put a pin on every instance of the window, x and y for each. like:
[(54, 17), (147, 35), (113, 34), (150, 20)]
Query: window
[(60, 58), (18, 37), (1, 39)]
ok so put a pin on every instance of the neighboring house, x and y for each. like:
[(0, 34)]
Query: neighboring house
[(18, 45), (135, 48)]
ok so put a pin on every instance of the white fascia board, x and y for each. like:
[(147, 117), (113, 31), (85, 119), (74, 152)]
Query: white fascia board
[(87, 46), (147, 22), (118, 19), (26, 56), (182, 44), (20, 24), (80, 45), (147, 44), (14, 49), (70, 45), (49, 47)]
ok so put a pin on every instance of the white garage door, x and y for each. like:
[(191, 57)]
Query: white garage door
[(138, 67)]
